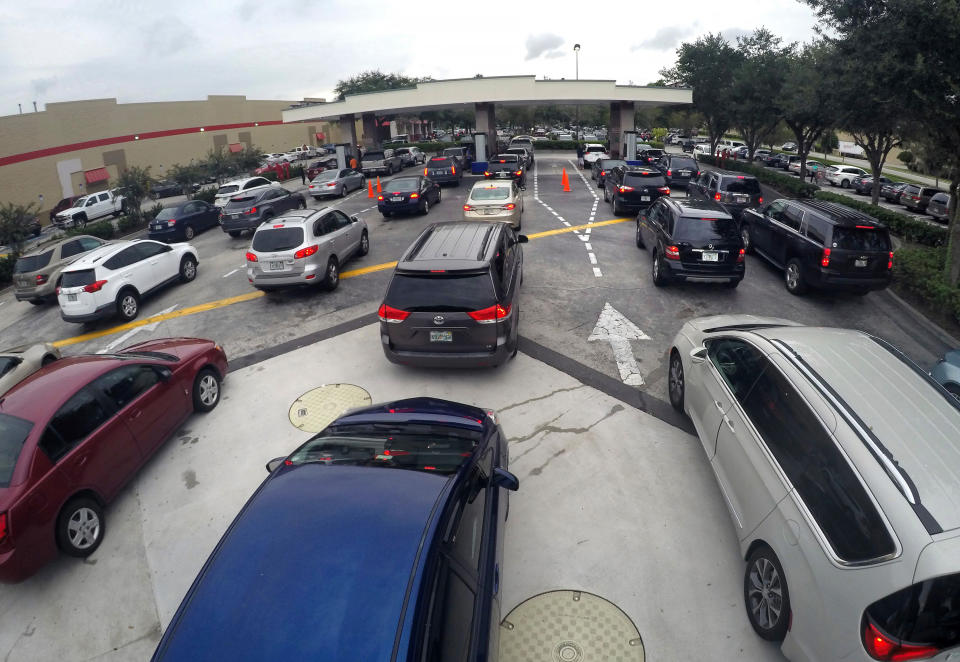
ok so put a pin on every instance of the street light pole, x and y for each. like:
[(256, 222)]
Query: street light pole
[(576, 51)]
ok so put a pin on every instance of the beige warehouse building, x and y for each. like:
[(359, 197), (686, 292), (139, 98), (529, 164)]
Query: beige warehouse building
[(77, 147)]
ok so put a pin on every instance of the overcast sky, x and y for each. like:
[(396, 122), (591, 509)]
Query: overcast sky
[(186, 49)]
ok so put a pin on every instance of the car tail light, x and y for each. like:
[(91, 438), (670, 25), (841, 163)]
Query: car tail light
[(251, 257), (624, 189), (603, 173), (467, 208), (890, 261), (716, 196), (491, 314), (760, 201), (3, 527), (665, 190), (509, 206), (518, 173), (424, 172), (392, 315), (740, 255), (882, 647), (41, 279), (330, 185), (414, 196), (95, 287), (669, 173), (453, 170), (252, 210), (306, 252), (825, 260), (673, 253), (486, 173), (380, 197), (312, 186)]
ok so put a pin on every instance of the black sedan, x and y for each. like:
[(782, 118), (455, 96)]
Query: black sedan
[(864, 185), (408, 194), (247, 211), (165, 189), (891, 192), (181, 222)]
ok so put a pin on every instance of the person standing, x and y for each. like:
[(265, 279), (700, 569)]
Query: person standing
[(303, 174), (579, 155), (353, 163)]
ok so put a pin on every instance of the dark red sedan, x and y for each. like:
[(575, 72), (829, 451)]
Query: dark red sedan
[(73, 433)]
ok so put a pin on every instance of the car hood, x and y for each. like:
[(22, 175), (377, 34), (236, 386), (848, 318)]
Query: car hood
[(716, 321), (70, 210)]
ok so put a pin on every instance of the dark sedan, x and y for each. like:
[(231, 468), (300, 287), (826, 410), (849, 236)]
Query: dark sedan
[(408, 194), (891, 192), (165, 189), (73, 433), (380, 538), (248, 210), (181, 222), (864, 185)]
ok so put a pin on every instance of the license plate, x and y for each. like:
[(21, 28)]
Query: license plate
[(396, 198), (859, 263), (490, 211), (503, 175), (644, 198), (684, 173), (741, 198), (276, 266), (709, 256), (441, 336), (71, 297)]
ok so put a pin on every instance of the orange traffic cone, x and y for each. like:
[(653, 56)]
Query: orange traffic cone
[(565, 181), (378, 185), (370, 189)]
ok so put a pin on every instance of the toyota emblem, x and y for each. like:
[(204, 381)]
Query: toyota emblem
[(438, 320), (710, 247)]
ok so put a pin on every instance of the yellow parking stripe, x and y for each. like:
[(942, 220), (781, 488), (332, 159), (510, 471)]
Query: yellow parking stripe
[(250, 296)]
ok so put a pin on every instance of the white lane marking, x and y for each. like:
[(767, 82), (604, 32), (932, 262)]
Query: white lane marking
[(593, 258), (567, 223), (597, 273), (2, 302), (588, 246), (583, 238), (230, 273), (129, 334), (616, 329)]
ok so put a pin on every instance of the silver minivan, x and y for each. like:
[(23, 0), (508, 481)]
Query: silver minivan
[(305, 247), (839, 461)]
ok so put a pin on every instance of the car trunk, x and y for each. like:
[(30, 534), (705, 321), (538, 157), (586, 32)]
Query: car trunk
[(708, 245), (274, 248), (641, 189), (860, 251)]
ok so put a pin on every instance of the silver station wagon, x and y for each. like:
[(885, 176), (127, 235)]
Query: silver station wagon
[(305, 247), (839, 461)]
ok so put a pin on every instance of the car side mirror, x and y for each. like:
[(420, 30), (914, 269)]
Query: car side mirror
[(354, 219), (505, 479), (274, 463), (698, 354), (165, 374), (523, 239)]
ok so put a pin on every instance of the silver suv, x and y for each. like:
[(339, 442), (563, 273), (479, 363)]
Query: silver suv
[(36, 276), (305, 247), (838, 459)]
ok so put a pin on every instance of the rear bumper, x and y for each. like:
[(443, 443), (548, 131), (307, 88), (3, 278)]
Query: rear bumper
[(445, 179), (20, 563), (838, 282), (679, 271), (446, 359), (34, 293), (170, 234), (106, 310), (310, 276), (512, 217), (374, 169), (238, 224), (406, 206)]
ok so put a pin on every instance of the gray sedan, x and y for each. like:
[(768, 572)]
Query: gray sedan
[(18, 363), (247, 211), (336, 183)]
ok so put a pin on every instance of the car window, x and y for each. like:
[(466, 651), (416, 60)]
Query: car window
[(741, 185), (123, 385), (340, 220), (860, 239), (70, 249), (441, 293), (13, 432), (792, 217), (401, 185), (124, 258), (816, 228), (451, 620), (698, 230), (277, 239), (73, 422), (104, 197), (148, 249), (818, 470), (468, 534), (346, 173), (775, 209), (643, 179), (91, 201), (29, 263), (738, 362)]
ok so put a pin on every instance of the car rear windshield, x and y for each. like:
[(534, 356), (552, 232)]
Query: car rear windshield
[(925, 613), (401, 185), (606, 164), (653, 153), (29, 263), (277, 239), (643, 179), (490, 193), (229, 188), (506, 158), (453, 151), (402, 150), (741, 185), (676, 164), (79, 278), (239, 202), (13, 432), (441, 293), (168, 214), (697, 230), (861, 239), (413, 446), (327, 175), (440, 162), (373, 156)]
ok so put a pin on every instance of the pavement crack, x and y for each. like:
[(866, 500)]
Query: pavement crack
[(549, 427), (541, 397)]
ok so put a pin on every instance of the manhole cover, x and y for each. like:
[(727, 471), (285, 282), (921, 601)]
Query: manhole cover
[(317, 408), (569, 626)]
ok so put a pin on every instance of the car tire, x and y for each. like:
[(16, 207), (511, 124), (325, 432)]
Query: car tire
[(302, 204), (639, 236), (425, 207), (188, 268), (364, 244), (793, 277), (332, 275), (128, 304), (606, 197), (37, 302), (80, 527), (206, 390), (656, 269), (765, 595), (316, 197), (80, 221), (675, 380), (617, 211), (845, 183), (188, 233), (733, 283), (747, 238), (343, 191), (233, 233)]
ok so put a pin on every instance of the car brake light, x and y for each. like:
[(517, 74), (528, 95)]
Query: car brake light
[(312, 186), (41, 279), (509, 206), (491, 314), (330, 185), (673, 253), (519, 172), (761, 200), (890, 261), (424, 172), (502, 161), (392, 315), (865, 227), (251, 257), (486, 173), (414, 196), (3, 527), (825, 260), (716, 196), (379, 197), (252, 210), (740, 256), (665, 190), (95, 287), (467, 208), (306, 252), (882, 647), (624, 189), (453, 170), (603, 173), (669, 173)]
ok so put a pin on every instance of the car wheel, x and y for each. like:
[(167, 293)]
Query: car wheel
[(188, 232), (639, 236), (675, 383), (188, 269), (606, 198), (302, 204), (343, 191), (746, 238), (845, 183), (364, 243), (617, 211), (793, 277), (128, 304), (659, 277), (233, 233), (733, 283), (80, 222), (80, 527), (765, 595), (206, 390), (332, 278), (425, 207), (37, 302)]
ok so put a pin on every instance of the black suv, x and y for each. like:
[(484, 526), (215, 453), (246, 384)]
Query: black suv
[(820, 244), (453, 300), (691, 240), (732, 191), (678, 169), (444, 170), (507, 166), (629, 189)]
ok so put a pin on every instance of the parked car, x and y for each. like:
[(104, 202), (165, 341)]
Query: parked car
[(77, 430), (731, 190), (939, 206), (891, 192), (165, 189), (337, 183), (113, 279), (864, 185), (810, 165), (789, 147), (453, 300), (36, 275), (523, 142), (630, 189), (601, 167), (506, 166), (702, 149), (841, 176), (316, 167), (380, 161), (410, 156), (820, 244), (847, 523), (444, 170), (65, 203), (778, 160), (592, 152), (946, 372), (244, 186), (916, 197), (182, 222), (18, 363), (678, 170), (305, 248), (411, 193), (761, 154), (787, 162), (90, 208), (249, 211), (494, 201), (303, 152), (691, 240), (687, 146), (424, 478)]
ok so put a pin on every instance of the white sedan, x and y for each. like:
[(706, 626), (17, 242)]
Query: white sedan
[(18, 363)]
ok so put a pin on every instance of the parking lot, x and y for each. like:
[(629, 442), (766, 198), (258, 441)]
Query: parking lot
[(616, 497)]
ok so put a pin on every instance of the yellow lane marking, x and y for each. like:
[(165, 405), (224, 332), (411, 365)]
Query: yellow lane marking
[(256, 294)]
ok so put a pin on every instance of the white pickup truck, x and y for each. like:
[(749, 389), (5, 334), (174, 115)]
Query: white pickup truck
[(90, 208)]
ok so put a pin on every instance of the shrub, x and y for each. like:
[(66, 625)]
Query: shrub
[(904, 226), (206, 194), (792, 186), (905, 156), (6, 268), (919, 269), (101, 229)]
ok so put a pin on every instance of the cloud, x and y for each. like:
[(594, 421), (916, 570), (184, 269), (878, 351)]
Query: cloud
[(168, 35), (541, 44), (41, 85), (731, 34), (666, 38)]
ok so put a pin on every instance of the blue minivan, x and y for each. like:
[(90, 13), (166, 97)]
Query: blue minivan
[(379, 539)]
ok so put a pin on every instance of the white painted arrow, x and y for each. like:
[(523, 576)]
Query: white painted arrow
[(129, 334), (616, 329)]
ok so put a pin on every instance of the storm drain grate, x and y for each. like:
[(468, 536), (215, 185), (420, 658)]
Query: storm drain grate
[(317, 408)]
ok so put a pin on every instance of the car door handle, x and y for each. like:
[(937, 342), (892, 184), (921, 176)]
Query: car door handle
[(135, 415), (718, 405), (729, 424), (81, 461)]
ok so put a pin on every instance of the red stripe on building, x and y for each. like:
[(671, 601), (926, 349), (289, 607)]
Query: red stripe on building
[(101, 142)]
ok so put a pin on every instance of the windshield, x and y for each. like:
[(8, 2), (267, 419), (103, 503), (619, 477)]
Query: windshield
[(606, 164), (490, 193), (413, 446), (30, 263), (596, 148), (228, 188), (401, 185), (457, 293), (698, 230), (742, 185), (860, 239), (13, 432), (373, 156), (277, 239)]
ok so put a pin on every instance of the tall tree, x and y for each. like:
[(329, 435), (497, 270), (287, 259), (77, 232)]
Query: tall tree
[(708, 65), (15, 224), (757, 84), (134, 185), (375, 81)]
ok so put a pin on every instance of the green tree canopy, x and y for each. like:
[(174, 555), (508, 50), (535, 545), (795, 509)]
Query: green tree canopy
[(375, 81)]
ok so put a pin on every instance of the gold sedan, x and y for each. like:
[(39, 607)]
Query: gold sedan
[(491, 200)]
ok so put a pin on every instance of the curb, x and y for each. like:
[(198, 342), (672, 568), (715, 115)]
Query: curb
[(924, 321)]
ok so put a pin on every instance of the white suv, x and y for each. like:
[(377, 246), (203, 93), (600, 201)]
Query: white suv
[(843, 176), (237, 186), (114, 278)]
